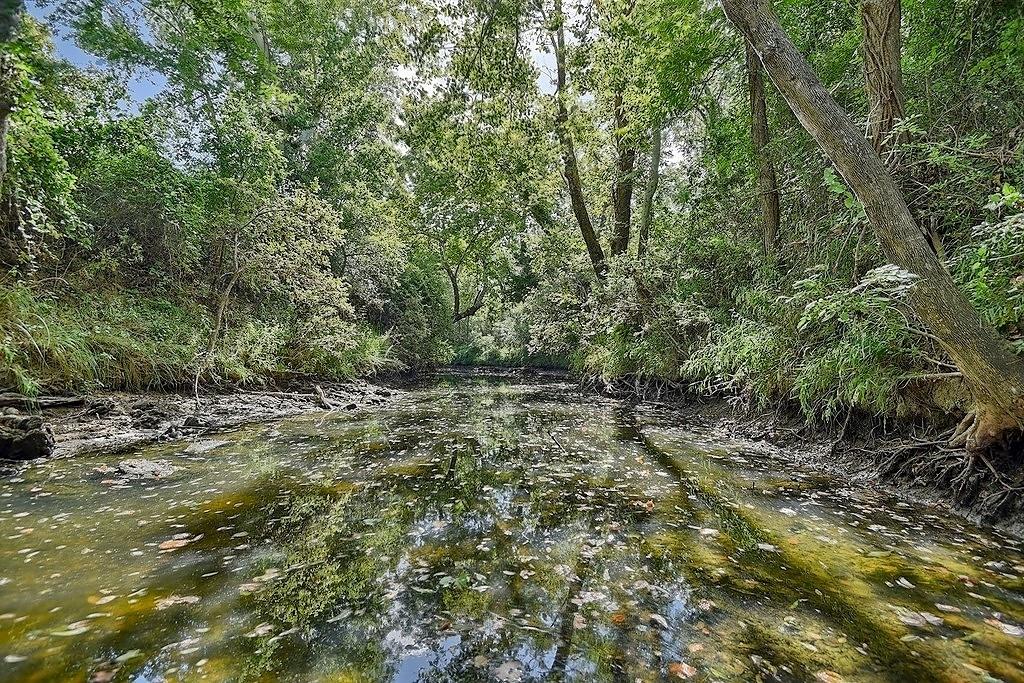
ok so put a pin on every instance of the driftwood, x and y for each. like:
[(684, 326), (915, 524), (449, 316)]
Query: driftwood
[(10, 400), (322, 398)]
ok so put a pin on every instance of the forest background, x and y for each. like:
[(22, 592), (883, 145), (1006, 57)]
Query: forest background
[(345, 187)]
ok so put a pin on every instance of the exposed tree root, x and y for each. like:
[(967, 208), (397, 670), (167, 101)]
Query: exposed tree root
[(988, 431), (990, 484)]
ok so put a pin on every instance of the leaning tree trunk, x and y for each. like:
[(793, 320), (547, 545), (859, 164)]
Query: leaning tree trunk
[(652, 189), (883, 77), (570, 166), (767, 185), (994, 375), (622, 190)]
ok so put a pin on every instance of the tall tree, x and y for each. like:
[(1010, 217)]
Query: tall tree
[(622, 189), (994, 375), (883, 77), (882, 50), (653, 177), (571, 169), (10, 13), (767, 185)]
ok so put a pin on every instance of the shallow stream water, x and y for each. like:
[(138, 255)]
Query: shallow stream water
[(491, 529)]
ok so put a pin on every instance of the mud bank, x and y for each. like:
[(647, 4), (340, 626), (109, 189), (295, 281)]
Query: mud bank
[(117, 422)]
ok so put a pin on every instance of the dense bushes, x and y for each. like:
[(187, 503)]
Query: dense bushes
[(194, 237)]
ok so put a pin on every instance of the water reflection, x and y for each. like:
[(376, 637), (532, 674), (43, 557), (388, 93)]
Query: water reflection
[(492, 530)]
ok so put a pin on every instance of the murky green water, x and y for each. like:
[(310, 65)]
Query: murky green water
[(491, 530)]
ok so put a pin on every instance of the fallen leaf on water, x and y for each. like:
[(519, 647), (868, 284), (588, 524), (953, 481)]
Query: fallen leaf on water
[(1008, 629), (659, 620), (178, 541), (103, 675), (171, 600), (681, 670), (101, 599), (73, 630), (261, 630), (509, 672)]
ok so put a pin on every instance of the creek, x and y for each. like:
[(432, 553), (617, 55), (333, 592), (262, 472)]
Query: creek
[(491, 529)]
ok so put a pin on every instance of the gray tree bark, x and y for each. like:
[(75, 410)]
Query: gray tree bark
[(647, 215), (10, 16), (883, 76)]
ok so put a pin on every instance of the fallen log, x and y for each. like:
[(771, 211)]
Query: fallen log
[(11, 400)]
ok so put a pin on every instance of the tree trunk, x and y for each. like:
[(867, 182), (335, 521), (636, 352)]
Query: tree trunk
[(458, 313), (883, 77), (478, 303), (994, 375), (883, 83), (9, 400), (646, 215), (6, 105), (571, 168), (767, 185), (622, 190), (222, 309), (204, 362), (10, 17)]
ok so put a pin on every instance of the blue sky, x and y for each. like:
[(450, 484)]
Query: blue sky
[(141, 84)]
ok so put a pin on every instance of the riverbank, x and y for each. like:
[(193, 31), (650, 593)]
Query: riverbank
[(114, 422)]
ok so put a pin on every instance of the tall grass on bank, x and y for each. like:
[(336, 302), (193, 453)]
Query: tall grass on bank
[(131, 341)]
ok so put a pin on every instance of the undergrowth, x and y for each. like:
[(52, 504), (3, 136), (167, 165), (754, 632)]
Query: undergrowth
[(133, 341)]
